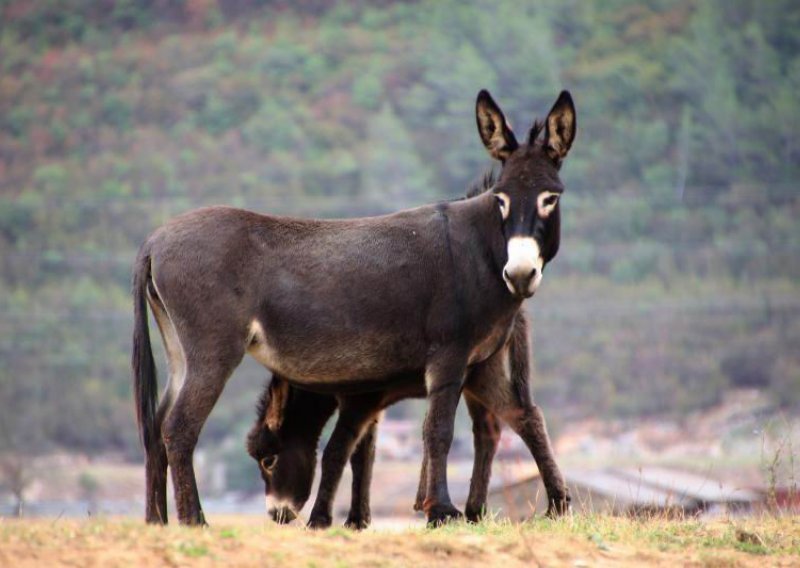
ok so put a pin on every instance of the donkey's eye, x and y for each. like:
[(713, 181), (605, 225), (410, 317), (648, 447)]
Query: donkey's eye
[(505, 204), (546, 202), (268, 463)]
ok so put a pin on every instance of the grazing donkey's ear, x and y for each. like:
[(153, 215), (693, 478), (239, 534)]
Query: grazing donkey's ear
[(276, 407), (560, 128), (495, 132)]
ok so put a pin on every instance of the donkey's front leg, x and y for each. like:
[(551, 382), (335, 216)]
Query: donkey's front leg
[(361, 463), (354, 416), (444, 378), (486, 437)]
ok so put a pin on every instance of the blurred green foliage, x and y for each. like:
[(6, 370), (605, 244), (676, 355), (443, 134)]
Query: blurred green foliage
[(677, 277)]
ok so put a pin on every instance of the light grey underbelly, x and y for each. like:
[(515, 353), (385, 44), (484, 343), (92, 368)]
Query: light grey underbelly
[(360, 361)]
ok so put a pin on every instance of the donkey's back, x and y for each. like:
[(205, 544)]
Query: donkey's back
[(314, 300)]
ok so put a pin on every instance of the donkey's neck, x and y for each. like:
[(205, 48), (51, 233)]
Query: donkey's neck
[(479, 218), (475, 231)]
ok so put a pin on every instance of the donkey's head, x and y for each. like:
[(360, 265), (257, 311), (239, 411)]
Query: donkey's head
[(283, 441), (528, 188), (264, 440)]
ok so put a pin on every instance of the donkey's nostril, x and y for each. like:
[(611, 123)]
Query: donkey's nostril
[(505, 274), (532, 275)]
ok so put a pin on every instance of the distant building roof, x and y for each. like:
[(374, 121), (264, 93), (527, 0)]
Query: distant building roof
[(624, 491), (684, 484)]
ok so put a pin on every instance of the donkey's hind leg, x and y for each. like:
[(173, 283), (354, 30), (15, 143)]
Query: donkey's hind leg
[(156, 474), (486, 437), (156, 454), (207, 373), (361, 463)]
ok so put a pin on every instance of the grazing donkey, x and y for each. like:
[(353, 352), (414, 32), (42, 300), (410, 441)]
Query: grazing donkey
[(289, 423), (344, 305)]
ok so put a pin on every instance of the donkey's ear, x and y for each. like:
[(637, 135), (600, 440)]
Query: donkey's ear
[(495, 132), (276, 407), (560, 128)]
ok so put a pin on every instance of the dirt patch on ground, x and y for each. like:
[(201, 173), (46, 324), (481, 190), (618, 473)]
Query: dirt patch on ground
[(240, 541)]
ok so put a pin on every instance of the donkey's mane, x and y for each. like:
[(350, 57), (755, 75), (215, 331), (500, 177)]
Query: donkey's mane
[(482, 184), (536, 130)]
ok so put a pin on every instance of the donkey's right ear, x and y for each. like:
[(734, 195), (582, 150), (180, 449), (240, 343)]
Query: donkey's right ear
[(276, 407), (493, 128)]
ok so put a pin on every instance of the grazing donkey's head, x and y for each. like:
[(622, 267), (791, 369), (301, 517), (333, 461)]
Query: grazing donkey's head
[(263, 441), (528, 188), (284, 442)]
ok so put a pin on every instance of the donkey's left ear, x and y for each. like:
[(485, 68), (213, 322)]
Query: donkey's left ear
[(493, 128), (560, 128)]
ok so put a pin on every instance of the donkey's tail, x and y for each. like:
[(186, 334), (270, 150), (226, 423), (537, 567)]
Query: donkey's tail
[(145, 383), (520, 358)]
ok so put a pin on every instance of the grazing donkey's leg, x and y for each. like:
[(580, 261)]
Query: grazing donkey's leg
[(486, 437), (510, 399), (422, 487), (444, 377), (209, 364), (361, 463), (355, 414), (528, 422)]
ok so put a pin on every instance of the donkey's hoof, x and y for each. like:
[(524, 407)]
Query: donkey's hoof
[(357, 522), (441, 514), (282, 515), (319, 521), (475, 514), (558, 507), (194, 520)]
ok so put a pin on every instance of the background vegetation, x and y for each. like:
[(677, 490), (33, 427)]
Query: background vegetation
[(678, 273)]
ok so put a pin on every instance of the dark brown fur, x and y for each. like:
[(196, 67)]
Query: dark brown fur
[(345, 304), (291, 445)]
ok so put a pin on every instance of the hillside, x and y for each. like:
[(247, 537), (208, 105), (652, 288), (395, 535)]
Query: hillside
[(678, 272)]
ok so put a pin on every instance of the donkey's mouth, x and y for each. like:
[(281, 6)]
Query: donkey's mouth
[(526, 292), (282, 515)]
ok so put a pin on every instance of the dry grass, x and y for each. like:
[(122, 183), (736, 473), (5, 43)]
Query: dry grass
[(245, 541)]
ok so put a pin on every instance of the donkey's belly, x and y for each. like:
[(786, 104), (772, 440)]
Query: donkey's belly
[(338, 359)]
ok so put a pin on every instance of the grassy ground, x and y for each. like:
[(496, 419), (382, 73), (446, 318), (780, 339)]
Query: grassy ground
[(241, 541)]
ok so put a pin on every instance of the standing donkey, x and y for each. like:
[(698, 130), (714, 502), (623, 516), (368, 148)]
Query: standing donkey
[(289, 423), (344, 304)]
